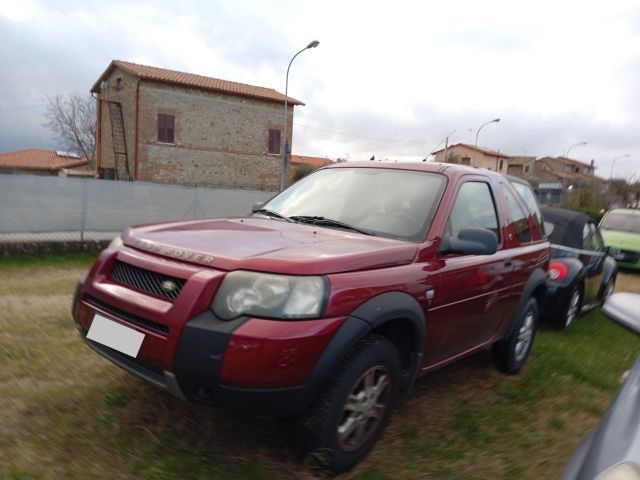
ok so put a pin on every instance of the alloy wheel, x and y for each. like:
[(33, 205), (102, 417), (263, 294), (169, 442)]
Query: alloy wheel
[(364, 408), (525, 336), (572, 310)]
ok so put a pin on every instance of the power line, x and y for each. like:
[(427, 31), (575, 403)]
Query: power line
[(362, 136)]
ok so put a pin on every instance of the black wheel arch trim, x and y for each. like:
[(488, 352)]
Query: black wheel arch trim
[(537, 279), (372, 314)]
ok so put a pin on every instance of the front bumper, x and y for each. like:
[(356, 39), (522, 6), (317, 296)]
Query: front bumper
[(263, 367)]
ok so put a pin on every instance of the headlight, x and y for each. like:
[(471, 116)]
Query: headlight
[(116, 242), (267, 295), (622, 471)]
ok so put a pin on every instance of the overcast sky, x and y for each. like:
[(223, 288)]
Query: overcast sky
[(389, 79)]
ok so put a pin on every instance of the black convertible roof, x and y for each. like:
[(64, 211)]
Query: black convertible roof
[(568, 226)]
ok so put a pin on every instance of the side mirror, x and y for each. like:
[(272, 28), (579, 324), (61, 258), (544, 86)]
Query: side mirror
[(257, 206), (471, 241), (624, 308)]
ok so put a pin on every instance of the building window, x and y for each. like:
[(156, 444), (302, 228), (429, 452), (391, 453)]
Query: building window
[(274, 141), (465, 161), (107, 173), (166, 128), (501, 165), (526, 169)]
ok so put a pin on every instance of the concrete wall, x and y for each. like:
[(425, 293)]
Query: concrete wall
[(57, 204)]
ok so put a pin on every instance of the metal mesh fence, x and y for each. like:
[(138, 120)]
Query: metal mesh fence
[(40, 204)]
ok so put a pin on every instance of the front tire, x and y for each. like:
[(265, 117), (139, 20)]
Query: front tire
[(350, 414), (511, 353)]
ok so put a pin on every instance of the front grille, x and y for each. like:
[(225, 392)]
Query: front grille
[(156, 284), (129, 317), (628, 256)]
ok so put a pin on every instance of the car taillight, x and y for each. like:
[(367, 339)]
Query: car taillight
[(557, 271)]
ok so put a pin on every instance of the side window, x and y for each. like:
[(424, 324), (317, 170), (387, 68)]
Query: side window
[(597, 238), (517, 216), (591, 239), (530, 201), (474, 207)]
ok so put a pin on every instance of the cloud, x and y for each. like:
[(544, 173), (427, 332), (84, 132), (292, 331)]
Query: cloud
[(403, 77)]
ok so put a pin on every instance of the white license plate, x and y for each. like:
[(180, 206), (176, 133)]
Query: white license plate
[(115, 335)]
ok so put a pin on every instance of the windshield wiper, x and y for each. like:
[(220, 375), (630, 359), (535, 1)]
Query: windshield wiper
[(271, 213), (327, 222)]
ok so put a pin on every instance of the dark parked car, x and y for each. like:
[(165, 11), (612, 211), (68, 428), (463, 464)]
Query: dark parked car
[(612, 450), (582, 273), (328, 301)]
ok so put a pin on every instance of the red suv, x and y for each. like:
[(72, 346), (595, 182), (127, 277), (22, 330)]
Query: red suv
[(329, 300)]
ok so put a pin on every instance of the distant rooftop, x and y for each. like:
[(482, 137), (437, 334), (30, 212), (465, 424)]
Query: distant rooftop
[(315, 161), (486, 151), (40, 159)]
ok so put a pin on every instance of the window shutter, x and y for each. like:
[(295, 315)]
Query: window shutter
[(274, 141)]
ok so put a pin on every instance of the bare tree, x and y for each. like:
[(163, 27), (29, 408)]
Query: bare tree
[(72, 118)]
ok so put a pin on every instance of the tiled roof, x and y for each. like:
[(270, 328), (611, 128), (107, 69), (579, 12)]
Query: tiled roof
[(521, 160), (35, 159), (315, 161), (486, 151), (191, 80)]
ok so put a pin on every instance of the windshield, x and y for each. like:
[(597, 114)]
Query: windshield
[(386, 202), (621, 222)]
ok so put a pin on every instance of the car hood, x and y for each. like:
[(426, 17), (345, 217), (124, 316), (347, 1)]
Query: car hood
[(269, 245), (623, 240)]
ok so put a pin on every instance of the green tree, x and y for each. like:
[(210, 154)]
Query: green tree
[(302, 170), (452, 158)]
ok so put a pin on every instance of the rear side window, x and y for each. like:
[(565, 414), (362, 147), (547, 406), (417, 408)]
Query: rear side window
[(517, 217), (530, 201), (474, 207)]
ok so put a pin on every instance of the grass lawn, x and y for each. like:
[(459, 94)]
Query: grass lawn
[(67, 413)]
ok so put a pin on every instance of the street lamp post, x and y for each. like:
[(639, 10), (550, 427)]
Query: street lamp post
[(566, 155), (495, 120), (283, 167), (614, 162)]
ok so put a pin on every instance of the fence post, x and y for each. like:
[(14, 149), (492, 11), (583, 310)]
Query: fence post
[(83, 218)]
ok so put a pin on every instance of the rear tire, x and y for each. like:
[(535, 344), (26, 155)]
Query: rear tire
[(570, 309), (348, 417), (511, 353)]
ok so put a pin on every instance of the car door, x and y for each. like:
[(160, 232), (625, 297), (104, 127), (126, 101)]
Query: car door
[(593, 259), (471, 290)]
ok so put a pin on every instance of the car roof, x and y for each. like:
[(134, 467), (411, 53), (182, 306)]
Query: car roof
[(449, 169), (625, 211), (568, 226)]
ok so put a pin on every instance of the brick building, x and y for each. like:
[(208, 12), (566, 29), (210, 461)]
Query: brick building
[(161, 125), (476, 157)]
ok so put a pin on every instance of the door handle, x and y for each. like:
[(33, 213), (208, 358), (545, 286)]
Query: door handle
[(508, 262)]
